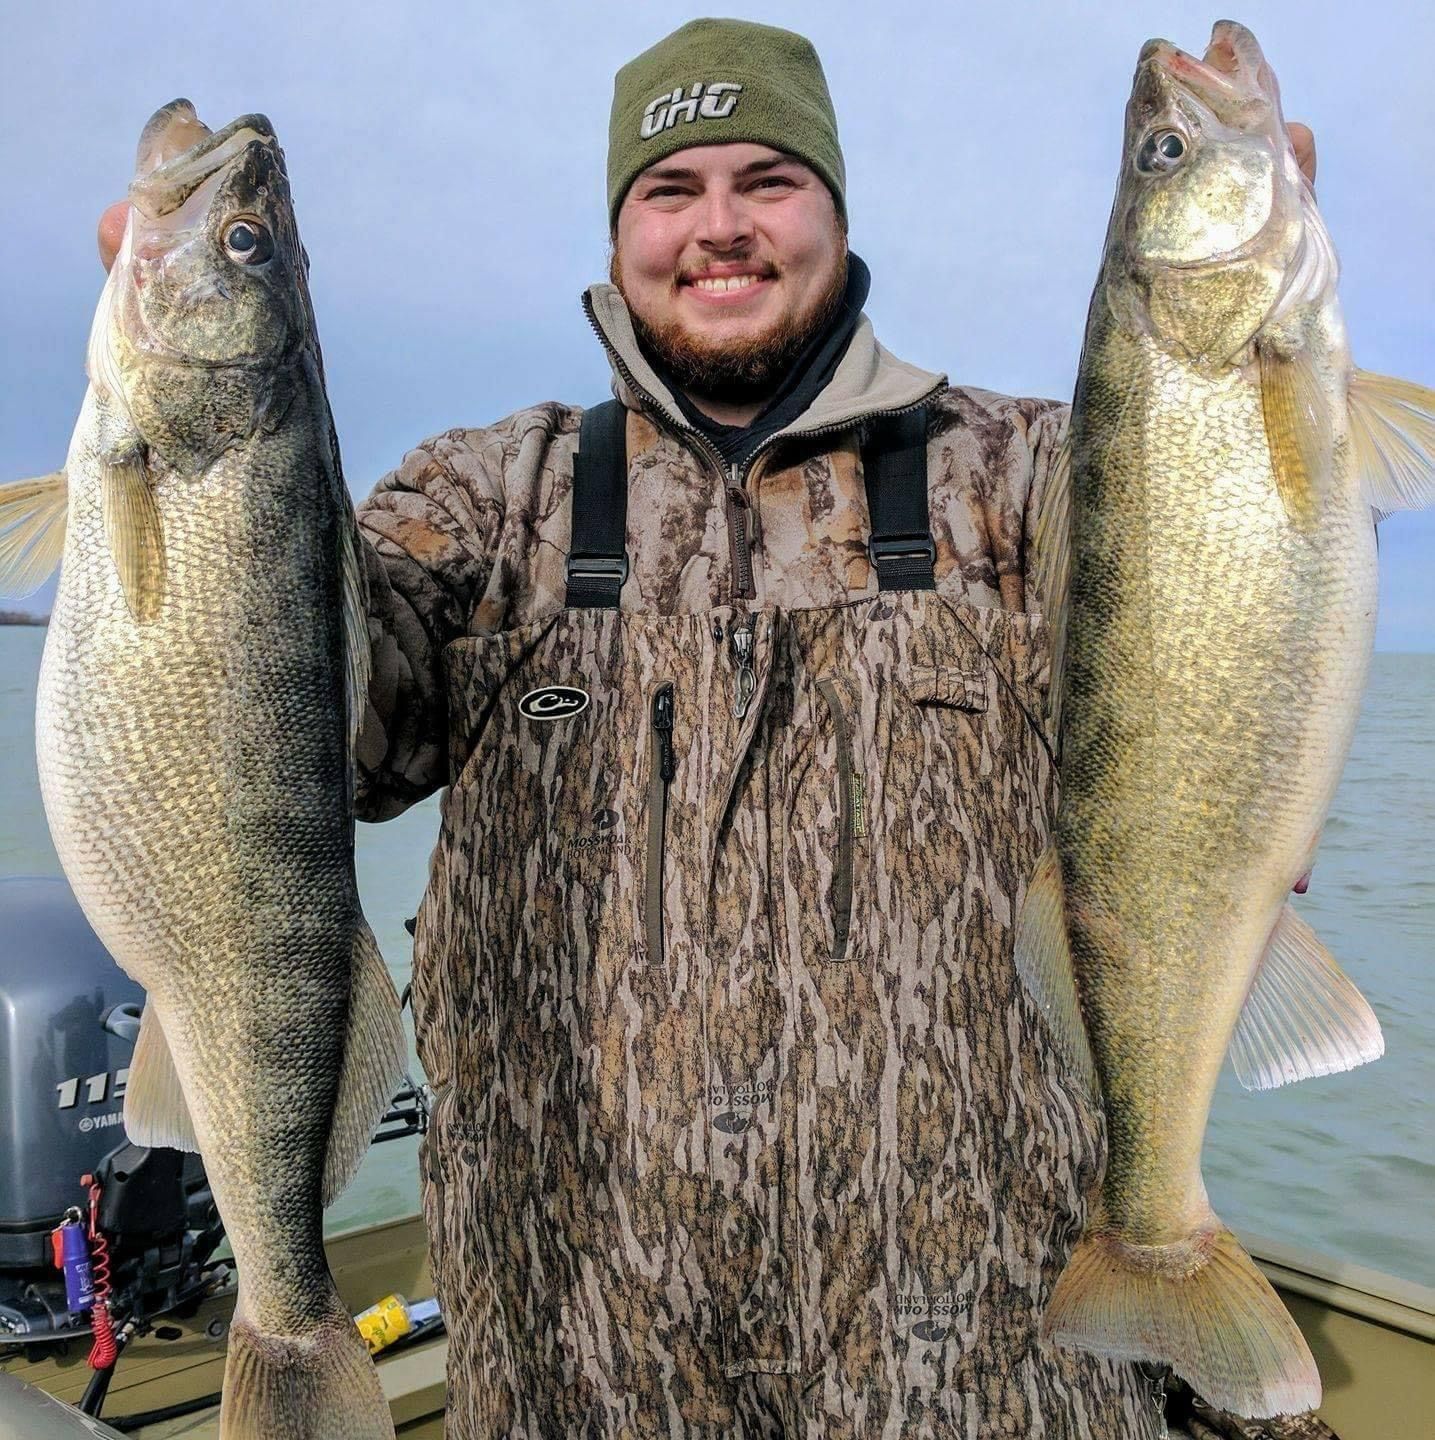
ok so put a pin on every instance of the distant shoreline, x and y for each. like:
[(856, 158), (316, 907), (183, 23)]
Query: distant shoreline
[(19, 617)]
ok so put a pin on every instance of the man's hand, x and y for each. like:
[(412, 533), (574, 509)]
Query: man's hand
[(112, 231), (1223, 57), (1303, 142)]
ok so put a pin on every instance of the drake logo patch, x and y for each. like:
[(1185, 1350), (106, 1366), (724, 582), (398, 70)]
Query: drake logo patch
[(553, 702)]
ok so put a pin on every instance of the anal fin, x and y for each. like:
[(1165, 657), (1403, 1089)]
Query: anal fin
[(1043, 960), (1303, 1016), (375, 1053), (156, 1112)]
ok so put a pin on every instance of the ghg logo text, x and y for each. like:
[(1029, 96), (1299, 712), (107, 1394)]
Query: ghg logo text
[(702, 102)]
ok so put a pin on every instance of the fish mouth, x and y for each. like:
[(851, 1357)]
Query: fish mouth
[(1233, 77), (178, 152)]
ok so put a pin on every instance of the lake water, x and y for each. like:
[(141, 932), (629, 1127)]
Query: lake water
[(1343, 1165)]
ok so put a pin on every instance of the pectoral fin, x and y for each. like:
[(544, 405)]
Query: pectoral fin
[(1297, 421), (32, 532), (156, 1112), (1392, 424), (1043, 960), (135, 534), (354, 590), (353, 575), (1302, 1017), (1052, 572)]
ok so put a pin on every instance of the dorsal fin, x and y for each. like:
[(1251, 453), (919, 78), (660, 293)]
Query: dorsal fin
[(1392, 424), (1303, 1016), (32, 532)]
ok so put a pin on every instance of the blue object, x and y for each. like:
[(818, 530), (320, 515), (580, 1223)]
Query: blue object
[(72, 1255)]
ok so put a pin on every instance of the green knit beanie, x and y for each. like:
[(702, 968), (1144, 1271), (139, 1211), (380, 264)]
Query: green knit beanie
[(713, 82)]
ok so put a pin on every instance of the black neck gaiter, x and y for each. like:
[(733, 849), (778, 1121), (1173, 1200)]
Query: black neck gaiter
[(804, 381)]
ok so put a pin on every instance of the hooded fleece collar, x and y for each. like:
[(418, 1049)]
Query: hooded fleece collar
[(869, 379)]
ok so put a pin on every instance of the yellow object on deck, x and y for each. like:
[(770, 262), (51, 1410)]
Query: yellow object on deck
[(383, 1323)]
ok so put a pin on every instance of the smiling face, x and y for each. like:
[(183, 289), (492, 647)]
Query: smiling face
[(730, 258)]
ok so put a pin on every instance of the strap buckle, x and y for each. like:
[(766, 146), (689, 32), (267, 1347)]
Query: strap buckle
[(900, 547), (598, 567)]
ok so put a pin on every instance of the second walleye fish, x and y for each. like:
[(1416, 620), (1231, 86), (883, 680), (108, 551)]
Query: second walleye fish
[(203, 676), (1212, 571)]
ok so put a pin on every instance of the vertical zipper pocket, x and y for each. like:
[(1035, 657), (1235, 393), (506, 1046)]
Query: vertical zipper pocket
[(851, 807), (661, 770)]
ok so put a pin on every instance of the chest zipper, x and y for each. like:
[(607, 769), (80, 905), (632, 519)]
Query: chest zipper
[(739, 529), (660, 772), (738, 505), (852, 821)]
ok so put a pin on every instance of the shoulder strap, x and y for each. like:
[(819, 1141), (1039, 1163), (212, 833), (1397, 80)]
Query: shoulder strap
[(597, 559), (894, 469)]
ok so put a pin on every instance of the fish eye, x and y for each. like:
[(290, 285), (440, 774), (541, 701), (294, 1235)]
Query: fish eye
[(1161, 152), (248, 241)]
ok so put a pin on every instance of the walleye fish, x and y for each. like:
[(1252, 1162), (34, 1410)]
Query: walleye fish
[(1208, 562), (200, 690)]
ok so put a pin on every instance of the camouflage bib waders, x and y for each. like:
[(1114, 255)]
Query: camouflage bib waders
[(744, 1127)]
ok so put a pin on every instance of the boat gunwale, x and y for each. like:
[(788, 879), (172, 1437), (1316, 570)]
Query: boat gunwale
[(1373, 1295)]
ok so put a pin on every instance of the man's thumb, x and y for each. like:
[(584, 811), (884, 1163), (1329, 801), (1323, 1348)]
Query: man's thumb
[(112, 231)]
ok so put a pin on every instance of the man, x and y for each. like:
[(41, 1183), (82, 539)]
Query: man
[(743, 1123)]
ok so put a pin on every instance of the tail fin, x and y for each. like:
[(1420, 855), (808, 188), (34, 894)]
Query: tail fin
[(1199, 1306), (318, 1386)]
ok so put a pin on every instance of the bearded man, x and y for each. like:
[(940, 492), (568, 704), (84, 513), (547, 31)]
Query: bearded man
[(743, 1123)]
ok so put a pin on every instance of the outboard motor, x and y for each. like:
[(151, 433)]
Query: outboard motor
[(69, 1017)]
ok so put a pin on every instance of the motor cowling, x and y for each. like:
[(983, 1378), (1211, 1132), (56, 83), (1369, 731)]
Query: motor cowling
[(62, 1069), (69, 1017)]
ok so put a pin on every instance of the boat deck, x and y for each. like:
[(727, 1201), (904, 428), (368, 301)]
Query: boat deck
[(1373, 1337)]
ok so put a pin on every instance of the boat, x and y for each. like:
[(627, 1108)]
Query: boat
[(64, 1004), (167, 1382), (1373, 1337)]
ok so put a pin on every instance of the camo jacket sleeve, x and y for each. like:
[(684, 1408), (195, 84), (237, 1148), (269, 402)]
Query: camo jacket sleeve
[(431, 528)]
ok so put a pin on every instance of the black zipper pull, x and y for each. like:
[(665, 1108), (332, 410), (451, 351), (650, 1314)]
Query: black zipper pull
[(663, 724)]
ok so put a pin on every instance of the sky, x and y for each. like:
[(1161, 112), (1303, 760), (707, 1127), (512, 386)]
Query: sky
[(447, 164)]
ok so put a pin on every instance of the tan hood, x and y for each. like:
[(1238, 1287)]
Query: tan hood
[(868, 380)]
